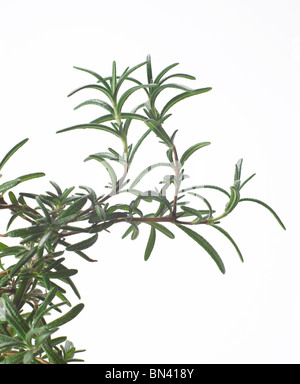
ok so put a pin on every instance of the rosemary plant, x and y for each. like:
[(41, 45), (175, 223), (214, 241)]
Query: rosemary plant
[(33, 270)]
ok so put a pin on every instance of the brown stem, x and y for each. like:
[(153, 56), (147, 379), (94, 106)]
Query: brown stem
[(14, 208), (163, 219), (177, 169)]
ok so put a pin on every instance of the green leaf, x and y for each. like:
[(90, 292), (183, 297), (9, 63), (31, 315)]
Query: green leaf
[(129, 119), (114, 77), (205, 186), (205, 245), (237, 174), (185, 76), (162, 229), (102, 227), (31, 176), (83, 244), (132, 115), (66, 193), (267, 207), (8, 185), (152, 195), (129, 92), (125, 75), (13, 198), (20, 292), (191, 150), (44, 209), (24, 232), (67, 279), (226, 234), (205, 201), (24, 259), (52, 355), (52, 264), (14, 318), (160, 88), (109, 155), (42, 309), (150, 244), (66, 318), (98, 77), (97, 87), (61, 274), (14, 250), (79, 253), (163, 72), (41, 339), (109, 168), (135, 231), (9, 342), (160, 132), (16, 359), (12, 183), (57, 340), (128, 230), (246, 181), (11, 152), (180, 97), (234, 199), (99, 103), (74, 208), (149, 70), (192, 211), (100, 212), (63, 220), (104, 119), (91, 126)]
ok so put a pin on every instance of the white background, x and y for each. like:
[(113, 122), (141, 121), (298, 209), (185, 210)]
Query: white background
[(177, 307)]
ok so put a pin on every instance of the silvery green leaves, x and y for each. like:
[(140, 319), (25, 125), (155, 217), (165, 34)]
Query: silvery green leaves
[(61, 222), (119, 119)]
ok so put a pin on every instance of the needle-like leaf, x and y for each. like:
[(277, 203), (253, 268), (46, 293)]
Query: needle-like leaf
[(204, 244), (191, 150), (180, 97), (90, 126), (11, 152), (65, 318), (114, 78), (183, 75), (234, 199), (94, 86), (150, 243), (83, 244), (266, 206), (99, 103), (126, 74), (226, 234), (129, 92), (98, 77), (162, 229), (163, 72)]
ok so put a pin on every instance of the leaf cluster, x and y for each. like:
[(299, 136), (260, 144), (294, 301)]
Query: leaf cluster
[(34, 277)]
